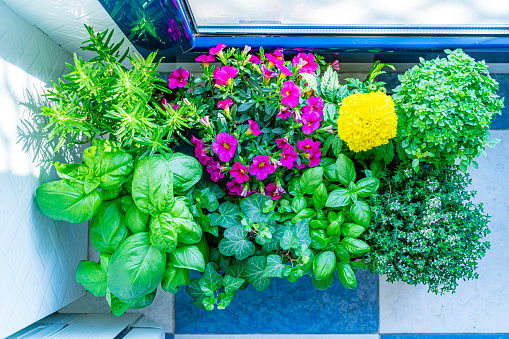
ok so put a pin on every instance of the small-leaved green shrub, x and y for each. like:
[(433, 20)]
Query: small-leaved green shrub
[(425, 228), (445, 107)]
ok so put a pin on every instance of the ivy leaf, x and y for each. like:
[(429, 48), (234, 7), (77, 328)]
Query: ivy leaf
[(231, 284), (229, 216), (213, 188), (252, 207), (235, 243), (253, 273), (194, 290), (237, 269), (274, 267), (211, 280), (295, 236), (226, 299)]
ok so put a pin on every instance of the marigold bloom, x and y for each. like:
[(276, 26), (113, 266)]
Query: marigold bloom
[(224, 146), (253, 128), (239, 172), (290, 93), (311, 121), (272, 191), (261, 167), (205, 59), (178, 78), (367, 120), (308, 61)]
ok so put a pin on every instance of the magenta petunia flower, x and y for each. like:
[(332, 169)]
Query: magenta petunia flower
[(261, 167), (290, 93), (279, 53), (254, 59), (224, 104), (246, 192), (307, 61), (253, 128), (284, 113), (174, 30), (234, 187), (314, 158), (217, 50), (220, 77), (164, 104), (231, 72), (224, 146), (200, 152), (274, 60), (267, 73), (281, 143), (205, 121), (239, 172), (308, 145), (279, 189), (205, 59), (335, 65), (215, 170), (271, 191), (288, 157), (284, 70), (311, 121), (178, 78), (315, 104)]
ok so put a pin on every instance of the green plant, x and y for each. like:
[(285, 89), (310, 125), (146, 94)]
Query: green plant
[(425, 228), (445, 107)]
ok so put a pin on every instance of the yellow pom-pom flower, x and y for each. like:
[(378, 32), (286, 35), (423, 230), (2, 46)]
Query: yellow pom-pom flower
[(367, 120)]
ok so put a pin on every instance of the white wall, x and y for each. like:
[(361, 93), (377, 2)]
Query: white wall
[(38, 256)]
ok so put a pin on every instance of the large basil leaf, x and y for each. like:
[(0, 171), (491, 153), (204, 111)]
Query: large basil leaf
[(67, 201), (345, 170), (142, 301), (311, 179), (367, 186), (118, 306), (346, 276), (111, 167), (163, 233), (107, 229), (136, 219), (323, 284), (361, 213), (174, 277), (73, 172), (186, 170), (351, 230), (355, 246), (153, 184), (136, 267), (320, 197), (189, 232), (338, 198), (330, 172), (324, 265), (92, 277), (188, 256)]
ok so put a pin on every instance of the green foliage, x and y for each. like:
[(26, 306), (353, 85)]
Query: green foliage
[(445, 108), (425, 228)]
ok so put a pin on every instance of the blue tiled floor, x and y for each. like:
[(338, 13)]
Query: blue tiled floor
[(445, 336), (287, 308)]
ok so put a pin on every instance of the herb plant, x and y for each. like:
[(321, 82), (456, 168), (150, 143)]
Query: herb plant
[(425, 228), (445, 107)]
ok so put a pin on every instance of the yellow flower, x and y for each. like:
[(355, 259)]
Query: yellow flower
[(367, 120)]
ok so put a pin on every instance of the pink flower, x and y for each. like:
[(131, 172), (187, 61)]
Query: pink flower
[(205, 121), (164, 104), (223, 75), (261, 167), (315, 104), (200, 152), (311, 121), (254, 59), (234, 187), (224, 146), (178, 78), (290, 93), (335, 65), (205, 59), (267, 73), (284, 70), (314, 158), (281, 143), (279, 189), (272, 191), (307, 61), (215, 170), (239, 172), (224, 104), (288, 157), (279, 53), (253, 128), (284, 113), (217, 50), (246, 192), (231, 72), (273, 60), (308, 145)]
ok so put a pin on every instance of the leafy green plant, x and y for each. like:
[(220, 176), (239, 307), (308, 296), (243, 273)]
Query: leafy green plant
[(425, 228), (445, 107)]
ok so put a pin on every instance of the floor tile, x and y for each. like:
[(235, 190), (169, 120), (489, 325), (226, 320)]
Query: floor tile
[(478, 306), (287, 308)]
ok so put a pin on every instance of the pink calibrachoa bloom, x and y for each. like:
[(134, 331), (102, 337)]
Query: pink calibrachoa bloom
[(314, 158), (246, 192), (164, 104), (217, 50), (234, 187), (272, 191), (290, 93), (239, 172), (335, 65), (281, 143), (261, 167), (224, 104), (224, 146), (284, 70), (267, 73), (205, 59), (215, 170), (308, 62), (279, 53), (205, 121), (279, 189), (315, 104), (311, 121), (224, 75), (288, 157), (254, 59), (274, 60), (178, 78), (284, 113), (200, 152), (253, 128), (231, 72), (308, 145)]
